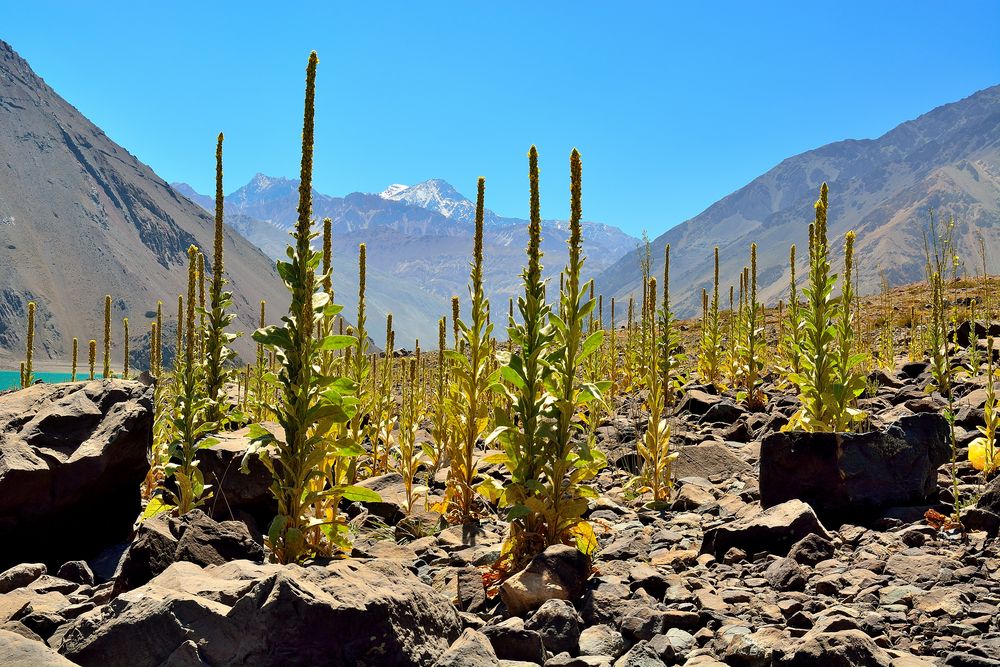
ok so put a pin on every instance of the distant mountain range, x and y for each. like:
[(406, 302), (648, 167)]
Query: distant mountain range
[(419, 244), (80, 217), (947, 160)]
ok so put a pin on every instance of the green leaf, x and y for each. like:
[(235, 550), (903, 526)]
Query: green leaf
[(154, 507), (337, 342), (359, 494)]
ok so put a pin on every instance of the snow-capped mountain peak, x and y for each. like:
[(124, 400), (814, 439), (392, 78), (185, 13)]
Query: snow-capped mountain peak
[(436, 195), (393, 190)]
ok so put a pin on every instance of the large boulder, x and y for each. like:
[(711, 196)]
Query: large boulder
[(848, 476), (237, 493), (558, 573), (18, 651), (344, 613), (709, 460), (774, 531), (72, 458), (195, 538)]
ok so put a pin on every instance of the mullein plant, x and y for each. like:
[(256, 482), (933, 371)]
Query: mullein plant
[(201, 306), (790, 343), (983, 454), (125, 348), (569, 461), (752, 342), (359, 364), (436, 449), (29, 351), (468, 396), (309, 403), (973, 359), (709, 358), (382, 420), (107, 336), (526, 376), (189, 425), (938, 252), (848, 381), (216, 317), (93, 356), (655, 477), (410, 457), (671, 359), (157, 343), (827, 379)]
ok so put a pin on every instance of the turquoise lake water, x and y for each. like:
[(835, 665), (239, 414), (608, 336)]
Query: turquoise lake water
[(12, 379)]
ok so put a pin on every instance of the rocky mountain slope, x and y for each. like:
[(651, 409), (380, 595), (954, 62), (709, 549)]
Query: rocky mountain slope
[(80, 217), (947, 160), (419, 244)]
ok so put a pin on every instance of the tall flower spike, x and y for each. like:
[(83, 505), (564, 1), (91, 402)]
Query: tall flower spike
[(29, 352), (328, 256), (217, 266), (189, 343), (107, 336)]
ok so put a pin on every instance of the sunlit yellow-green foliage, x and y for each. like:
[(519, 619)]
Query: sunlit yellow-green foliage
[(983, 452), (468, 405), (310, 405), (710, 356), (829, 380)]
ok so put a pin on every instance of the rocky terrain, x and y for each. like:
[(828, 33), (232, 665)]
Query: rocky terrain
[(776, 549)]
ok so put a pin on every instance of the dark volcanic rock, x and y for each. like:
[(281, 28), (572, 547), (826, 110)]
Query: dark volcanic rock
[(194, 537), (844, 476), (344, 614), (774, 530), (848, 648), (811, 549), (236, 491), (72, 457), (512, 641), (697, 402), (559, 572), (18, 651), (558, 623)]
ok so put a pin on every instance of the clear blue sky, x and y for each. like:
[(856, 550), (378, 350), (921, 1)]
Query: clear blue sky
[(673, 106)]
